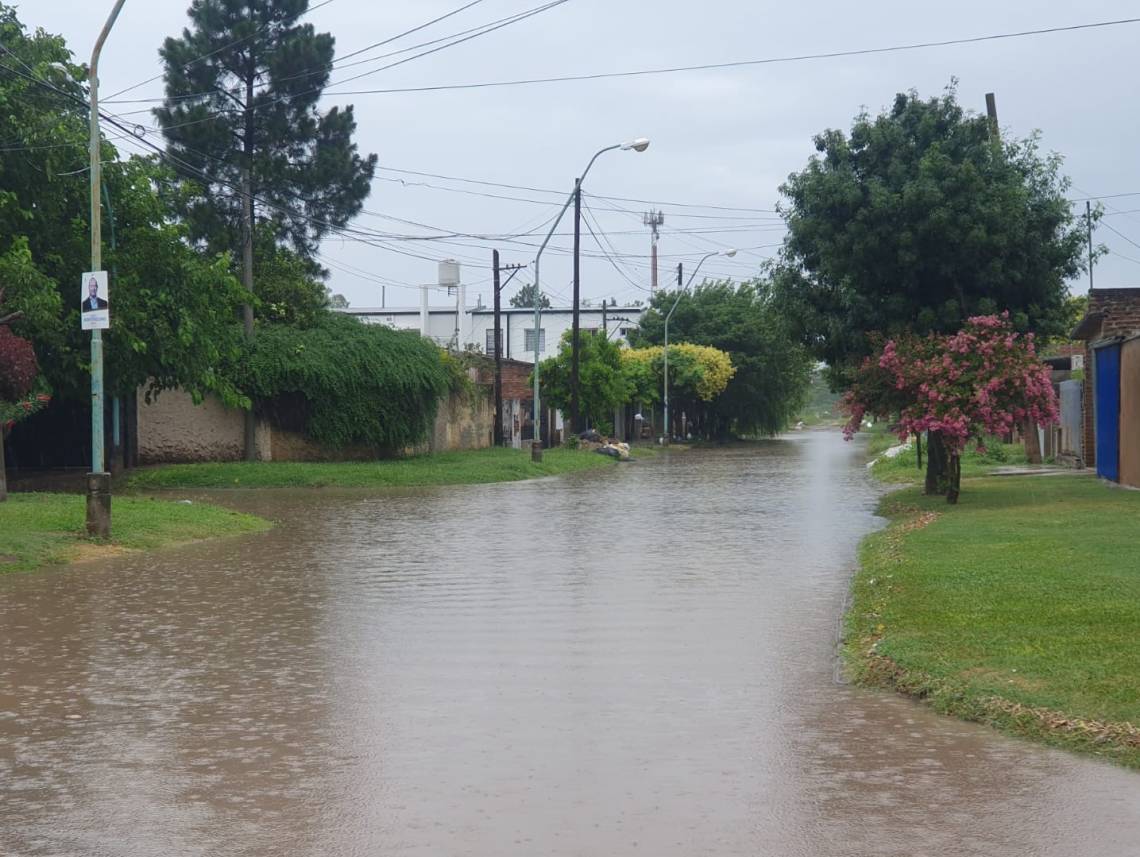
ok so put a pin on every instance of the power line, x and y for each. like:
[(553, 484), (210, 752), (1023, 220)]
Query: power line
[(746, 63), (321, 89), (563, 193), (1121, 234)]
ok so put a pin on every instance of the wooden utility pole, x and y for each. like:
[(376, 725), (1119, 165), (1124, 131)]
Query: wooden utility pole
[(1088, 223), (497, 268), (1029, 428)]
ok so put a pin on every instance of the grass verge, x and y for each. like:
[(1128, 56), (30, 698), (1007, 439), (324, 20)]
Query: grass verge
[(903, 468), (48, 529), (448, 468), (1019, 608)]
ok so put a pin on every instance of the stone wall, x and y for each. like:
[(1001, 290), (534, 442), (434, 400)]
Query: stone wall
[(172, 428)]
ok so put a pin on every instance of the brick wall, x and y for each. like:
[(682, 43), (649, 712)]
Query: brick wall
[(516, 375), (1118, 313)]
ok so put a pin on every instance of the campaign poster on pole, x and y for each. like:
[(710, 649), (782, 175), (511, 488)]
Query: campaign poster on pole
[(95, 301)]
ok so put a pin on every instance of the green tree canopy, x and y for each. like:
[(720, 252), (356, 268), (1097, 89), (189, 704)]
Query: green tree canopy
[(173, 309), (602, 381), (918, 219), (242, 87), (772, 369), (525, 297)]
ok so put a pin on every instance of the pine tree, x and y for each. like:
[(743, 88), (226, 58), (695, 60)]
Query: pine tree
[(242, 87), (241, 123)]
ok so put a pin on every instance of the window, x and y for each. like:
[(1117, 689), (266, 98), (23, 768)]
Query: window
[(528, 345), (490, 347)]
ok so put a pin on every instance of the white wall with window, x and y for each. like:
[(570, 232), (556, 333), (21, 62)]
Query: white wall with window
[(477, 325)]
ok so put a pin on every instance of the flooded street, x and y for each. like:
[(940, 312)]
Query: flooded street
[(631, 662)]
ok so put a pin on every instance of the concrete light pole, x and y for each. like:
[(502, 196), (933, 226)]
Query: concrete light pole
[(681, 291), (98, 480), (638, 145)]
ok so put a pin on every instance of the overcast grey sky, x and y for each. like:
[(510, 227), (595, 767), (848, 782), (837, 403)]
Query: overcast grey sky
[(720, 138)]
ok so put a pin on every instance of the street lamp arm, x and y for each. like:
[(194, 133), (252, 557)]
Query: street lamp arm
[(638, 145)]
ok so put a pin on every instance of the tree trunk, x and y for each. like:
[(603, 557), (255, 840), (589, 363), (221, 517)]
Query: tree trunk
[(937, 464), (1032, 442), (955, 483)]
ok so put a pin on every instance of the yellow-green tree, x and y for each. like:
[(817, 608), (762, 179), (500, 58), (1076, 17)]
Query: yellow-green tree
[(698, 374)]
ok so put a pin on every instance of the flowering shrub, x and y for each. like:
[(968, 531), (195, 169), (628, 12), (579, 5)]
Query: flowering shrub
[(983, 380), (18, 367)]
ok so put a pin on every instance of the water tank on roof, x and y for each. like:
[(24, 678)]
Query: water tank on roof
[(449, 273)]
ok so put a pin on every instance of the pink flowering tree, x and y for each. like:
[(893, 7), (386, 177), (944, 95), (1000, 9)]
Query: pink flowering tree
[(981, 381), (19, 372)]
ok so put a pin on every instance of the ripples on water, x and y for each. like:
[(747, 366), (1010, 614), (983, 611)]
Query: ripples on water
[(639, 661)]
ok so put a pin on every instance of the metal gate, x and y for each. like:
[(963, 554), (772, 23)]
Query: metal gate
[(1108, 412)]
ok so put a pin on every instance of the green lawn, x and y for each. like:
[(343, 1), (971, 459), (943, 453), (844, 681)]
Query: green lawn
[(903, 468), (449, 468), (1020, 607), (48, 529)]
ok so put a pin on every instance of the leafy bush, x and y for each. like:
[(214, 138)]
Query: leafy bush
[(18, 367), (342, 382)]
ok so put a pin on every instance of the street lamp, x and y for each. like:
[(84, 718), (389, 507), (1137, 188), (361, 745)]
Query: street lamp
[(638, 145), (98, 480), (681, 291)]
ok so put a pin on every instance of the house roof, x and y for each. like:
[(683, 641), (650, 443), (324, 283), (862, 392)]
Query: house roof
[(1089, 326)]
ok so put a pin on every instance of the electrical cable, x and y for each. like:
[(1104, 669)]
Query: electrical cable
[(747, 63), (224, 47)]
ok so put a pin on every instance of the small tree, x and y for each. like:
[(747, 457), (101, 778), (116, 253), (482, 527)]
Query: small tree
[(602, 383), (526, 295), (981, 381)]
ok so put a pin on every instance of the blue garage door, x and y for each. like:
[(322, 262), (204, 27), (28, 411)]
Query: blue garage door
[(1108, 412)]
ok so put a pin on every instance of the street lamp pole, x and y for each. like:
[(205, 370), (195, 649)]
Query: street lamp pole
[(98, 480), (668, 316), (638, 145)]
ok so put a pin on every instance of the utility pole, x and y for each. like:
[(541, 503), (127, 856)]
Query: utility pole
[(680, 274), (605, 320), (654, 219), (575, 327), (98, 480), (247, 240), (514, 269), (1088, 223)]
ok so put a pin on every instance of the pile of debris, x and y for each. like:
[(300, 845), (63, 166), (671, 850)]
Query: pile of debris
[(591, 439)]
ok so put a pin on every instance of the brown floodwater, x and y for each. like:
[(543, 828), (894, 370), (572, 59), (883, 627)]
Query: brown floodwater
[(640, 661)]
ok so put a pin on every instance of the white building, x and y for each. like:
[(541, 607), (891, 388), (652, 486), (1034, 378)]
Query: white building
[(474, 326)]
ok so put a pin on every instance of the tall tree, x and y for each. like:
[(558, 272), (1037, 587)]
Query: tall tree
[(918, 219), (241, 119), (772, 370), (242, 87)]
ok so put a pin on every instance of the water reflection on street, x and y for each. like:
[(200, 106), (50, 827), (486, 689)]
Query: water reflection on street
[(634, 661)]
